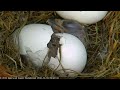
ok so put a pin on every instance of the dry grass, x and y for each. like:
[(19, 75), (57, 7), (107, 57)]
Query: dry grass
[(103, 51)]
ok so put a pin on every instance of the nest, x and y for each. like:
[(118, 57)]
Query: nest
[(103, 51)]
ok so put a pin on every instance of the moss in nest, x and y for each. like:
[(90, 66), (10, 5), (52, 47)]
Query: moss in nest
[(103, 50)]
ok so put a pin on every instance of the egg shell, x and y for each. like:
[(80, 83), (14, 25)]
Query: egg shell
[(85, 17), (34, 36), (73, 55)]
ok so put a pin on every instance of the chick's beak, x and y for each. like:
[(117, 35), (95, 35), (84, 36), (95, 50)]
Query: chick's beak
[(56, 25)]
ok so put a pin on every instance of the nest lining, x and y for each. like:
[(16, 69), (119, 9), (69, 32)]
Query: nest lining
[(103, 51)]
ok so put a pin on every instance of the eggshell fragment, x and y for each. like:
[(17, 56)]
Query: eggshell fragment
[(34, 36), (73, 55)]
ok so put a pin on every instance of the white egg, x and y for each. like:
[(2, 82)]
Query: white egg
[(33, 40), (85, 17)]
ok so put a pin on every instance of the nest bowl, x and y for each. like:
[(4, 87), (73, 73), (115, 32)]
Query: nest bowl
[(103, 51)]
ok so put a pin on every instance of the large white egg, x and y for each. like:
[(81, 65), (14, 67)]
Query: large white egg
[(33, 40), (85, 17)]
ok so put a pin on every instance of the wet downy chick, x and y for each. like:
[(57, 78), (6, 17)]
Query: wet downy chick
[(69, 26)]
